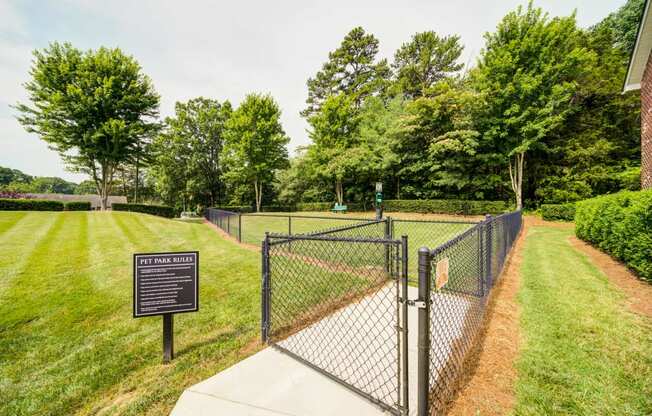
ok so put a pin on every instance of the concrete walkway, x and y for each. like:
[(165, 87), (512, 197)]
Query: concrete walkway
[(273, 383)]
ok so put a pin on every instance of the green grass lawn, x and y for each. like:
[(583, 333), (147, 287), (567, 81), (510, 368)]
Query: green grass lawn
[(68, 340), (583, 352)]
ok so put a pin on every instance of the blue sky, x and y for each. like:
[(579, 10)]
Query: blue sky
[(226, 50)]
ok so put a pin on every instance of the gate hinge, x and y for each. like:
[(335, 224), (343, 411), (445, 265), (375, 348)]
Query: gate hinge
[(414, 302)]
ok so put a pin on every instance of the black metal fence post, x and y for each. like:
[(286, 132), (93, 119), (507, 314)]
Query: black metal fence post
[(239, 227), (265, 290), (423, 344), (488, 225), (388, 236), (404, 324)]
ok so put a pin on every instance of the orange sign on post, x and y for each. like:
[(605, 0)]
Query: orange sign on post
[(441, 273)]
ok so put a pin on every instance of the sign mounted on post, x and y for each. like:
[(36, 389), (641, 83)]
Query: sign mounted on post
[(441, 273), (165, 284)]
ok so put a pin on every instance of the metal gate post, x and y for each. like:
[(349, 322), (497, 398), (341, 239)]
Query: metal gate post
[(265, 290), (228, 225), (388, 236), (423, 359), (404, 324)]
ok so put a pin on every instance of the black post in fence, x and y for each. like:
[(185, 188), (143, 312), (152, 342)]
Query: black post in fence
[(489, 248), (404, 312), (388, 236), (423, 343), (265, 290), (239, 228)]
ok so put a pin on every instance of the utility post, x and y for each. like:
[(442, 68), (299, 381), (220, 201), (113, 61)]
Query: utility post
[(379, 200)]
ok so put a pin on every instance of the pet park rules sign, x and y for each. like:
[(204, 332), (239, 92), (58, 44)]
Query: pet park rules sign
[(165, 284)]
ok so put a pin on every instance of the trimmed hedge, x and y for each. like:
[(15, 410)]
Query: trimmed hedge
[(327, 206), (446, 206), (30, 205), (160, 210), (621, 225), (77, 206), (247, 209), (558, 212)]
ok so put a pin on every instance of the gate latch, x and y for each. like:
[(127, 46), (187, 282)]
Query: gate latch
[(415, 303)]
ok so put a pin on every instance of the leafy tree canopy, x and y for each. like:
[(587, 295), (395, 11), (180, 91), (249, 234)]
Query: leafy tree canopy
[(92, 107), (425, 60), (351, 69)]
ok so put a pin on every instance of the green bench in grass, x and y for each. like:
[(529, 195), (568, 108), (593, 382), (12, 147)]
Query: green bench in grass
[(338, 208)]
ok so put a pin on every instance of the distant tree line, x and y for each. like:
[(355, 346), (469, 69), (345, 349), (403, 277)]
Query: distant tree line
[(539, 119)]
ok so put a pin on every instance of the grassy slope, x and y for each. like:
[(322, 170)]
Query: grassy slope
[(69, 343), (583, 352)]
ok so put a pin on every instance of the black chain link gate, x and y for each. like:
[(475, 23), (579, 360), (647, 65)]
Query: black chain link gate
[(331, 299)]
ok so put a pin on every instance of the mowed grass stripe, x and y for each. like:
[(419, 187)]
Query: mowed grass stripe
[(584, 353), (11, 220), (19, 242)]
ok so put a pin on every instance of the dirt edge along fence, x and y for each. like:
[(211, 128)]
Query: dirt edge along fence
[(455, 282), (330, 299)]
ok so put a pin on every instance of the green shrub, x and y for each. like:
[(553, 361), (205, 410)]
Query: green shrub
[(446, 206), (77, 206), (621, 225), (160, 210), (30, 205), (558, 212)]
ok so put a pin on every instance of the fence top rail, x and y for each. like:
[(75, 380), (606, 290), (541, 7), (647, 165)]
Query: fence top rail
[(442, 221), (459, 237), (323, 233), (259, 214), (223, 211), (286, 238)]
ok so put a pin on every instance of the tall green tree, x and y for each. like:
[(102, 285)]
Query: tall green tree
[(334, 132), (528, 73), (426, 59), (256, 143), (92, 107), (351, 69), (189, 163)]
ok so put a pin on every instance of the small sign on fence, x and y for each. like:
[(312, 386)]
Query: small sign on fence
[(441, 273), (165, 284)]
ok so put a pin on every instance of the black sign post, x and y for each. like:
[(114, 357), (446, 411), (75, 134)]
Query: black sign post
[(165, 284)]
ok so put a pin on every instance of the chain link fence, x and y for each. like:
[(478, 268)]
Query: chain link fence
[(455, 282), (250, 228), (335, 296), (227, 221), (331, 300), (427, 233)]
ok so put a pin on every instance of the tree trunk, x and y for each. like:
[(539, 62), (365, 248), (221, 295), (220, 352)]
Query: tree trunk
[(339, 192), (258, 187), (398, 188), (516, 178), (136, 186)]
